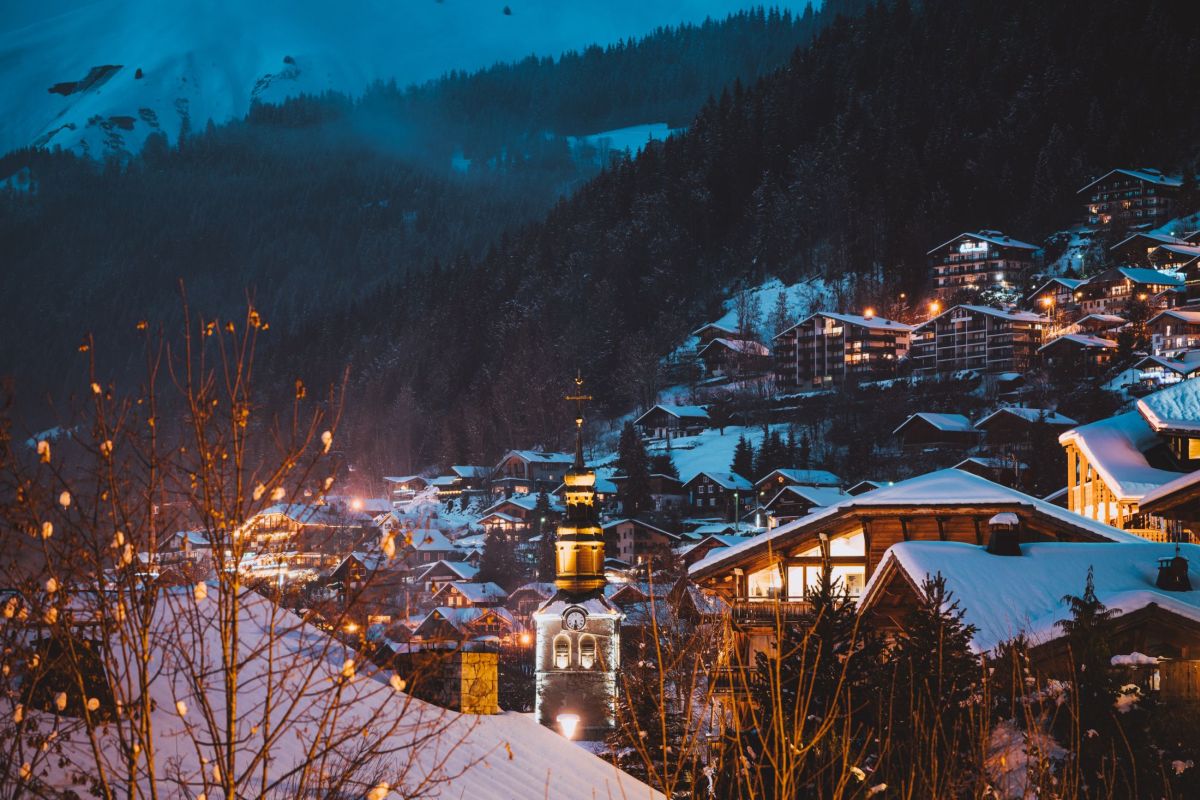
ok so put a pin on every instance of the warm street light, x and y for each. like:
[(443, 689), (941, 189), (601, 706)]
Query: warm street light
[(356, 504), (868, 312), (934, 307), (568, 723)]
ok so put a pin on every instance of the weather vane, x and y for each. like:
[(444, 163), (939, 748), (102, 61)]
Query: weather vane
[(580, 398)]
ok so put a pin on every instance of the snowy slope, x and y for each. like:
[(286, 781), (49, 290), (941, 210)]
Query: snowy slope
[(437, 753), (68, 67)]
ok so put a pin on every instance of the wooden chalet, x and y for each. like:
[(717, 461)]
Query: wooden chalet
[(1112, 464), (667, 421), (1078, 351), (468, 594), (828, 349), (1018, 590), (406, 487), (768, 576), (1174, 331), (1157, 372), (769, 485), (1055, 296), (734, 358), (1125, 198), (862, 487), (714, 330), (1111, 291), (637, 542), (526, 599), (429, 579), (1017, 424), (1006, 471), (723, 495), (980, 338), (1159, 251), (529, 472), (444, 624), (927, 429), (666, 492), (976, 261), (794, 501)]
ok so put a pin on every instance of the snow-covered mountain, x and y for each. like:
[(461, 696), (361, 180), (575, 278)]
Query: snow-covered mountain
[(101, 75)]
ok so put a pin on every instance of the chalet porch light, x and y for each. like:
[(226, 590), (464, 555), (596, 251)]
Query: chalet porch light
[(868, 312), (568, 723)]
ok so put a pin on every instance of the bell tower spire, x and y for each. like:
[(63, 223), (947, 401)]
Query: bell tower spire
[(579, 548)]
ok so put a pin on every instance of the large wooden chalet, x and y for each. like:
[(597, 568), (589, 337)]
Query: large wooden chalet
[(983, 260), (1174, 331), (767, 577), (1112, 290), (1124, 198), (666, 421), (829, 349), (530, 471), (969, 337), (722, 495)]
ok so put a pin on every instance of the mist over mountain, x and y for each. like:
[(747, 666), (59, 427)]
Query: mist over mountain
[(99, 77)]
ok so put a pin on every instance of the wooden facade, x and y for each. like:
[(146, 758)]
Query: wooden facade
[(976, 261), (1123, 198), (977, 338), (828, 349)]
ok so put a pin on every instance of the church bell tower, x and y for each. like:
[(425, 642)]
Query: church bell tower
[(578, 630)]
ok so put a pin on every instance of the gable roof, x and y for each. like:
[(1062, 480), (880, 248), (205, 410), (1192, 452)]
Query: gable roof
[(716, 326), (864, 486), (539, 457), (641, 524), (324, 515), (873, 322), (405, 479), (1044, 415), (1007, 595), (726, 480), (679, 412), (1080, 340), (1156, 238), (991, 237), (955, 423), (1116, 448), (1011, 316), (819, 496), (1143, 275), (477, 592), (1179, 367), (1145, 174), (1069, 283), (1107, 319), (1176, 408), (429, 539), (1187, 315), (804, 477), (743, 346), (947, 487), (462, 569), (471, 471)]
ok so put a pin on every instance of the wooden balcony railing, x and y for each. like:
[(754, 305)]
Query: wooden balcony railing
[(768, 611)]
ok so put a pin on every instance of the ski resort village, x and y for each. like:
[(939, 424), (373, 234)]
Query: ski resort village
[(641, 401)]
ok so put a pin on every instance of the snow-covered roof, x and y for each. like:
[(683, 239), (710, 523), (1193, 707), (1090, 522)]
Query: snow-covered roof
[(1141, 275), (947, 487), (540, 588), (1116, 448), (991, 237), (716, 326), (194, 538), (1182, 314), (479, 592), (328, 515), (1176, 408), (819, 496), (1172, 364), (429, 539), (942, 422), (1008, 595), (1048, 416), (1182, 249), (538, 457), (1103, 319), (500, 516), (445, 480), (1182, 483), (526, 500), (1080, 340), (1157, 238), (426, 750), (726, 480), (405, 478), (862, 487), (743, 346), (804, 477), (1011, 316), (679, 412), (625, 520), (988, 462), (1145, 174), (852, 319), (462, 569), (461, 617), (1069, 283), (471, 471)]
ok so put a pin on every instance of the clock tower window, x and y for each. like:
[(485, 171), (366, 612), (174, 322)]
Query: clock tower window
[(562, 651)]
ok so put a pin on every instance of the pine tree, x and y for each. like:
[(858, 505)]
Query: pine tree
[(634, 464), (499, 561), (743, 458), (663, 464), (934, 689), (542, 527), (1087, 631), (781, 316)]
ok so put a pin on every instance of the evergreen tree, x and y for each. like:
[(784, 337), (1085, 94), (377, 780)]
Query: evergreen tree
[(543, 527), (499, 561), (634, 464), (804, 452), (781, 316), (1087, 631), (743, 458), (663, 464), (934, 689)]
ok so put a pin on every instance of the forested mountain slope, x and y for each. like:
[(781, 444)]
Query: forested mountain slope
[(893, 132)]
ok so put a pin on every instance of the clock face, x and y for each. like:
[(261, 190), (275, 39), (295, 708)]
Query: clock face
[(574, 619)]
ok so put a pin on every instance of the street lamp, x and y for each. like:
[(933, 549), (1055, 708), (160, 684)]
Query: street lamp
[(934, 308)]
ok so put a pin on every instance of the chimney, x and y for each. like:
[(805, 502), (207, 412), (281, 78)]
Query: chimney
[(1005, 534), (1173, 574)]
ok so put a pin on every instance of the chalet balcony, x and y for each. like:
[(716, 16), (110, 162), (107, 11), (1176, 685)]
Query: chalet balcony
[(733, 679), (768, 611)]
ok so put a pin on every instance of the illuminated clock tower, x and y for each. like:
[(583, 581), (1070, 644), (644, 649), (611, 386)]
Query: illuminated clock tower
[(578, 629)]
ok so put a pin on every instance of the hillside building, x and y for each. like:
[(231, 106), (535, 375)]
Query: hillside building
[(977, 261), (1125, 198), (969, 337), (828, 349)]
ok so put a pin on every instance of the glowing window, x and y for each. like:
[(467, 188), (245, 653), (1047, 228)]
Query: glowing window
[(587, 651), (562, 651)]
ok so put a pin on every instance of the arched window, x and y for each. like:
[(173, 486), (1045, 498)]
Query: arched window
[(587, 651), (562, 651)]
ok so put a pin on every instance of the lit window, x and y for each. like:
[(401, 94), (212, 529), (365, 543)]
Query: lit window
[(562, 651), (587, 651)]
